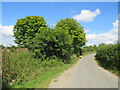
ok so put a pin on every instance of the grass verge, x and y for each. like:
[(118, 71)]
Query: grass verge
[(44, 79)]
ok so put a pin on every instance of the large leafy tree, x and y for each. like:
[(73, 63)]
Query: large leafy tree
[(76, 32), (27, 28), (52, 43)]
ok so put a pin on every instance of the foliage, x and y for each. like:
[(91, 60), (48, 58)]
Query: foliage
[(51, 48), (20, 68), (108, 56), (76, 32), (52, 43), (17, 67), (48, 63), (90, 48), (101, 45), (27, 28), (32, 32)]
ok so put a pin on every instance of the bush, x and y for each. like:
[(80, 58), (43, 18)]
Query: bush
[(49, 63), (52, 43), (17, 67), (108, 56)]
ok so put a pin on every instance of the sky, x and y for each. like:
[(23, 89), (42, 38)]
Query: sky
[(99, 19)]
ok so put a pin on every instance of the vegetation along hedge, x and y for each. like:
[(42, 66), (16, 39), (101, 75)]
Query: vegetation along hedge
[(108, 57), (45, 48)]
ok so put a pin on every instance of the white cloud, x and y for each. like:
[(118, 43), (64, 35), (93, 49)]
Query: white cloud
[(86, 15), (6, 30), (115, 24), (109, 37)]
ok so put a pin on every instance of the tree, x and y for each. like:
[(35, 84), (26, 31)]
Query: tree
[(27, 28), (76, 32), (52, 43), (101, 45)]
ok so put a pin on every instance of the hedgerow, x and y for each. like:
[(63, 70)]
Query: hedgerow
[(20, 67), (17, 66), (108, 57)]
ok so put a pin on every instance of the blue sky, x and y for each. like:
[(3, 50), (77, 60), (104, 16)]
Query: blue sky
[(99, 19)]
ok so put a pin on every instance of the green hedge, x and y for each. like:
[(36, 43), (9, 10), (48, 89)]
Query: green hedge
[(108, 57)]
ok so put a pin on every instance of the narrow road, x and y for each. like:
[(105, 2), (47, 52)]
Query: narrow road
[(85, 74)]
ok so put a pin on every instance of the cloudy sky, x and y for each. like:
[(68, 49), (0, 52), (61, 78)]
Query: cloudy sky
[(99, 19)]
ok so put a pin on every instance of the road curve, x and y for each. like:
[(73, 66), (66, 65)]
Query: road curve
[(85, 74)]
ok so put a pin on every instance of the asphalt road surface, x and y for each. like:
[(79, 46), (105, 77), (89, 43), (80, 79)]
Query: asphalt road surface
[(85, 74)]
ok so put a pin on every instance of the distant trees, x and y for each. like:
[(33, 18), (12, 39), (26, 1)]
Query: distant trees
[(90, 48), (61, 42), (101, 45)]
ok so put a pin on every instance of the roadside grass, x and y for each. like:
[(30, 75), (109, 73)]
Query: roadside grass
[(30, 73), (21, 70), (45, 78), (18, 68)]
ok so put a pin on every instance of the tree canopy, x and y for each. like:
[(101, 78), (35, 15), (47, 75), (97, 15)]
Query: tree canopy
[(75, 30), (62, 41), (27, 28)]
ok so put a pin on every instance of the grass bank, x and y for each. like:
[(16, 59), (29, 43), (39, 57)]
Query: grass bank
[(45, 77), (21, 70)]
